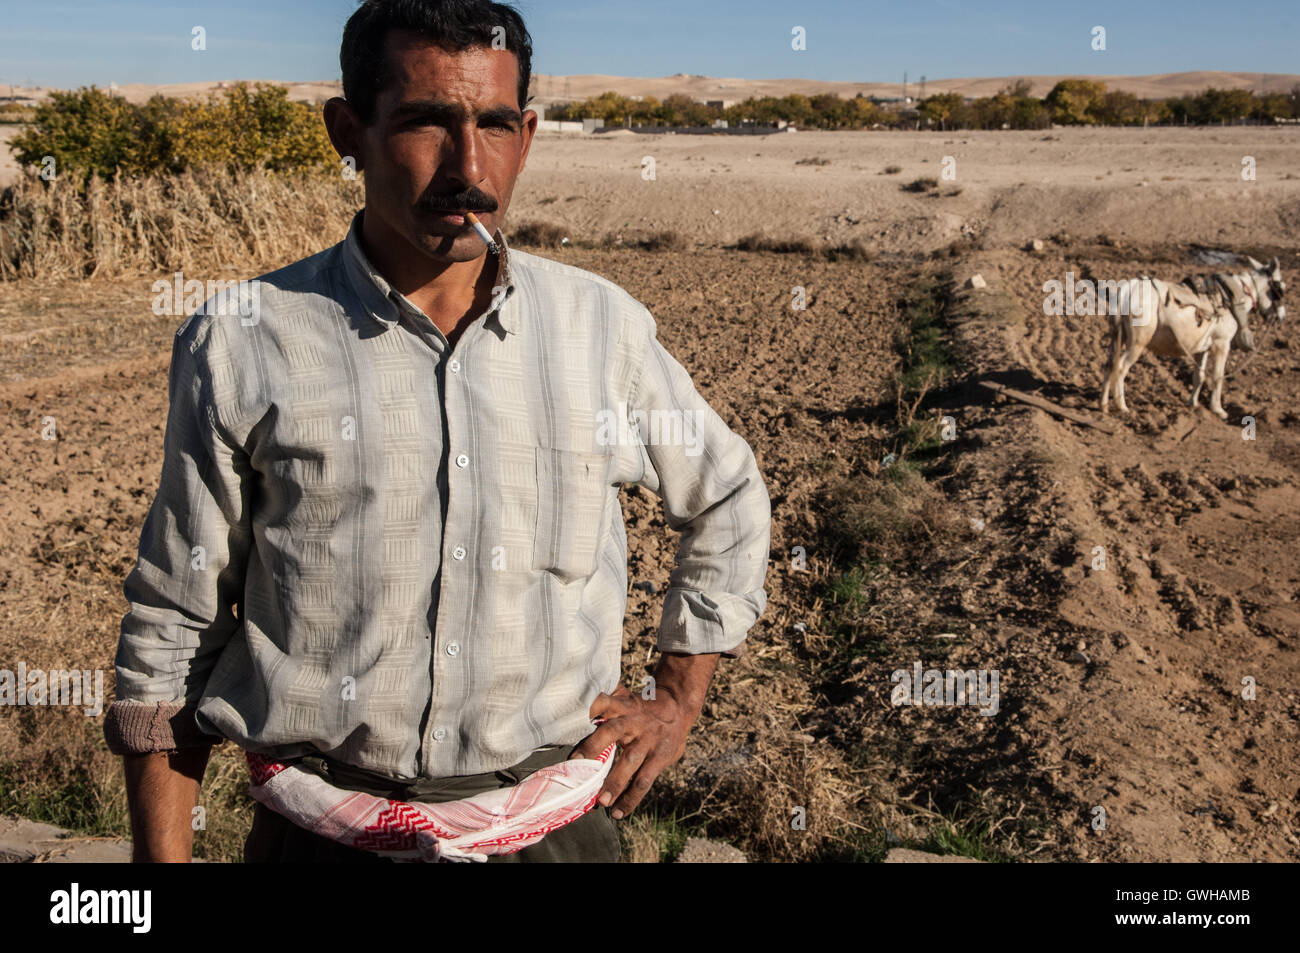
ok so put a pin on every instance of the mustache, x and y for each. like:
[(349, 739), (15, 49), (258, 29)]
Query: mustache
[(472, 201)]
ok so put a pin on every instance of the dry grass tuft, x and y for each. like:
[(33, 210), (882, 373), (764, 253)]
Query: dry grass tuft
[(855, 250), (787, 246), (663, 241), (56, 768), (538, 234), (893, 519), (643, 843), (748, 797), (209, 221)]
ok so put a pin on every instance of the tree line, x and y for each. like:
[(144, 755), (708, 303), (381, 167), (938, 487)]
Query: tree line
[(1070, 102), (90, 131)]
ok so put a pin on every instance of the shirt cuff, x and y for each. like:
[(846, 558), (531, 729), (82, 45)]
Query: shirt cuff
[(133, 727), (697, 623)]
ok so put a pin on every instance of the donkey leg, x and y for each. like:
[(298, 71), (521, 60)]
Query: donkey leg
[(1111, 384), (1111, 371), (1219, 352), (1127, 360), (1198, 376)]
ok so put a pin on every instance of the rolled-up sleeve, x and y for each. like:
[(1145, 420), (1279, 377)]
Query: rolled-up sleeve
[(713, 494), (188, 578)]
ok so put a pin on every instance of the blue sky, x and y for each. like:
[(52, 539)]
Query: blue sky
[(79, 42)]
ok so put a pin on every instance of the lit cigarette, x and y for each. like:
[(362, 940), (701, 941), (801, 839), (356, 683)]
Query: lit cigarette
[(482, 232)]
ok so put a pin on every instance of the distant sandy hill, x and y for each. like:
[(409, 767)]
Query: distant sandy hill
[(556, 89), (140, 92), (561, 88)]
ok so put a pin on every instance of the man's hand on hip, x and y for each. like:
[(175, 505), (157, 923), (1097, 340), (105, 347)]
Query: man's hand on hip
[(651, 733)]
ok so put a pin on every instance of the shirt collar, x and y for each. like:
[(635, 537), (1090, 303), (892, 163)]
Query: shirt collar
[(385, 303)]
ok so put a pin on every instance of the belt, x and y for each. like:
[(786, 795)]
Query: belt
[(432, 790)]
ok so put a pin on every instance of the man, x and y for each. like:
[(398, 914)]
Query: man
[(387, 543)]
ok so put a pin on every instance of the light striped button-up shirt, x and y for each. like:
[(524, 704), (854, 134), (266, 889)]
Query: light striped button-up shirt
[(411, 557)]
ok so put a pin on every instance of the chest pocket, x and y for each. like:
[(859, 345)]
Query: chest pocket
[(573, 491)]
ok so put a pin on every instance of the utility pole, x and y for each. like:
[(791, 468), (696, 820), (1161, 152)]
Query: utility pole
[(904, 86)]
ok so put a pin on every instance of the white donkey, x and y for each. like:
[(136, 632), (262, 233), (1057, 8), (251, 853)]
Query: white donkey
[(1204, 316)]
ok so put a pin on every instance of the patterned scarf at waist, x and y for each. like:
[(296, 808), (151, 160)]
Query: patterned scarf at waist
[(500, 821)]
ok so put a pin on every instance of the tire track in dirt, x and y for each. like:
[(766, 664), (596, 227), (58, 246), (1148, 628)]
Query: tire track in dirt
[(1145, 660)]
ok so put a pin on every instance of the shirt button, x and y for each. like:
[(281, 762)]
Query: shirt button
[(440, 734), (453, 366), (453, 648), (462, 461), (458, 552)]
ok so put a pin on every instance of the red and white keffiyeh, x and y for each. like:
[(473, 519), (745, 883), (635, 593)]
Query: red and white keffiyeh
[(502, 821)]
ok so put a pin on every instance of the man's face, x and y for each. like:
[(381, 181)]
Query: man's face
[(446, 135)]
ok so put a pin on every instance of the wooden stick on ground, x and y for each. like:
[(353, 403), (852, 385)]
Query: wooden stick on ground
[(1044, 404)]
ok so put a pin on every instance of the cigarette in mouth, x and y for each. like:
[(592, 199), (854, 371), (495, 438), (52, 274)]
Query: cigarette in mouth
[(482, 232)]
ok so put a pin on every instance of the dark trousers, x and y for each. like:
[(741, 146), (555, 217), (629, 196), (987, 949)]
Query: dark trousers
[(592, 838)]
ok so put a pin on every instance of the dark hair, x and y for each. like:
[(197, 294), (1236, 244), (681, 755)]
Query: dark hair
[(454, 25)]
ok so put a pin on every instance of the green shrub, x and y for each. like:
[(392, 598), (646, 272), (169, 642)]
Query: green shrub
[(251, 128), (90, 132)]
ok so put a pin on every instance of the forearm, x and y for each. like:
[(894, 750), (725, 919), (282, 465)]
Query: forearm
[(162, 789), (686, 679), (714, 495)]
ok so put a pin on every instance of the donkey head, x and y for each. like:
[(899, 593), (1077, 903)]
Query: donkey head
[(1270, 287)]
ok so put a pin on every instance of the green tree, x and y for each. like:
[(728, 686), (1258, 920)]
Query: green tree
[(1179, 109), (832, 111), (941, 107), (680, 109), (1154, 111), (1229, 105), (1117, 108), (1073, 101), (797, 108), (1219, 105), (863, 113), (1271, 106), (610, 106)]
